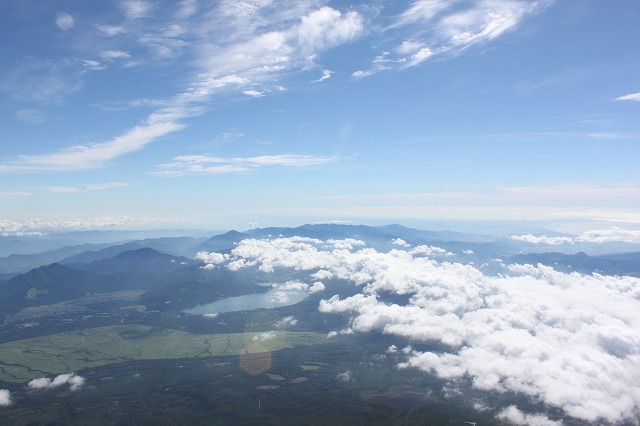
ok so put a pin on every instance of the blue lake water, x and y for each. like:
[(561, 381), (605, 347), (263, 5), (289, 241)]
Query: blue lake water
[(273, 298)]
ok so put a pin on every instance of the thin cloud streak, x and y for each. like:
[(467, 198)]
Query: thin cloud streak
[(629, 97), (430, 28), (206, 164), (89, 188), (251, 62)]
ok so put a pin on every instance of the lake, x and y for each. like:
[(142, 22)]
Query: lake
[(273, 298)]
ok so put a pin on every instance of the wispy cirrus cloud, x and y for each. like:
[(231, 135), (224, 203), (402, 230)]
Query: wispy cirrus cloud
[(435, 27), (135, 9), (14, 194), (212, 165), (326, 74), (89, 188), (241, 47), (247, 48), (95, 155)]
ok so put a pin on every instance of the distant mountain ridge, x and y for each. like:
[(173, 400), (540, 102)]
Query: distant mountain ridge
[(142, 261), (166, 270)]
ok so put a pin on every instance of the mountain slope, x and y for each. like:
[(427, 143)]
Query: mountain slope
[(143, 261), (52, 284)]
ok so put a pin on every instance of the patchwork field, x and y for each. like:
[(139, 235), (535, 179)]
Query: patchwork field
[(27, 359)]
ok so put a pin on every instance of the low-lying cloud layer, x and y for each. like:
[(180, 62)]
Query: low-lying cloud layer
[(599, 236), (5, 398), (570, 341), (74, 382)]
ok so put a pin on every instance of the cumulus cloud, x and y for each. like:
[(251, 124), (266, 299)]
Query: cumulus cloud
[(316, 287), (74, 382), (346, 376), (211, 259), (570, 341), (5, 398), (517, 417), (400, 242), (267, 335), (286, 321)]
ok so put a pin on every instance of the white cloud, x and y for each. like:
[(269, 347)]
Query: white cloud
[(326, 74), (613, 234), (14, 194), (89, 188), (111, 55), (598, 236), (327, 27), (346, 376), (244, 47), (435, 27), (74, 382), (135, 9), (207, 164), (400, 242), (254, 93), (5, 398), (346, 244), (517, 417), (316, 287), (267, 335), (110, 30), (286, 321), (542, 239), (570, 341), (36, 225), (629, 97), (211, 259), (96, 155)]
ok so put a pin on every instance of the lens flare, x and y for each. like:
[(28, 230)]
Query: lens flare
[(64, 21)]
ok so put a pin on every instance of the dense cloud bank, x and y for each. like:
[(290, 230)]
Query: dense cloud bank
[(571, 341), (601, 236)]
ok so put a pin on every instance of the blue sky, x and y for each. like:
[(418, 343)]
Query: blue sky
[(230, 114)]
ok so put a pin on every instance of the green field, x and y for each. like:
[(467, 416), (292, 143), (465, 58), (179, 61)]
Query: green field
[(27, 359)]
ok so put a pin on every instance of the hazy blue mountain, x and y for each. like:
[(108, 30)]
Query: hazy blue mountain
[(174, 246), (623, 264), (54, 283), (142, 261), (18, 263), (219, 243)]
